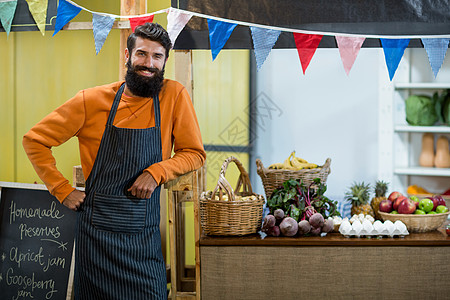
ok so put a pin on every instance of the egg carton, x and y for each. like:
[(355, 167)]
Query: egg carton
[(377, 229)]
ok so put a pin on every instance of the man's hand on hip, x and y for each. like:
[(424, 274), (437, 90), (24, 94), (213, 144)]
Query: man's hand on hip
[(144, 186), (74, 200)]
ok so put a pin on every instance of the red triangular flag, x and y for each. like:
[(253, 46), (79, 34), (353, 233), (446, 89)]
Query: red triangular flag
[(135, 22), (306, 46)]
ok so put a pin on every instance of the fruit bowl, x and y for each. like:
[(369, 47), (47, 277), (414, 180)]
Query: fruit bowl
[(418, 223)]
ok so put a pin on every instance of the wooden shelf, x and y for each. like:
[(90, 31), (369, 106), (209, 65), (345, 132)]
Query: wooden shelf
[(421, 171), (433, 129), (422, 85)]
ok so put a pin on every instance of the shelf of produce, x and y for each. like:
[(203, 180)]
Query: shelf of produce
[(421, 85), (253, 267), (422, 171), (433, 129)]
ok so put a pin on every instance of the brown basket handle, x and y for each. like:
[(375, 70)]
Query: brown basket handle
[(260, 168), (223, 184), (326, 166)]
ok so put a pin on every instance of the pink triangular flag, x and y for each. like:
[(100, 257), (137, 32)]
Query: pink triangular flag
[(176, 21), (135, 22), (306, 47), (348, 49)]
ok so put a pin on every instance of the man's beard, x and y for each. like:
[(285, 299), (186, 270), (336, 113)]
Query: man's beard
[(144, 86)]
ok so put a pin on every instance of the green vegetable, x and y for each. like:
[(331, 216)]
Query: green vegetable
[(420, 110), (445, 98), (299, 201)]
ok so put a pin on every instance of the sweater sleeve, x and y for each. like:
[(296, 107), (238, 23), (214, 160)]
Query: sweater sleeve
[(55, 129), (188, 146)]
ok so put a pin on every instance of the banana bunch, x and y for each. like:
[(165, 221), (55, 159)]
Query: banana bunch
[(293, 163)]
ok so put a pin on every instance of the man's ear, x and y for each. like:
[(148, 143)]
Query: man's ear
[(127, 55)]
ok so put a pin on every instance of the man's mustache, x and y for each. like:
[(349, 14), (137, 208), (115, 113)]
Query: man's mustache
[(143, 68)]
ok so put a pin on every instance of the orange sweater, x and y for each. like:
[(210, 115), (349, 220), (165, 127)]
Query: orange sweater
[(85, 116)]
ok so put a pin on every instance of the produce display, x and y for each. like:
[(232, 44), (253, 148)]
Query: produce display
[(359, 195), (378, 228), (293, 163), (299, 209), (208, 195), (423, 110), (397, 203)]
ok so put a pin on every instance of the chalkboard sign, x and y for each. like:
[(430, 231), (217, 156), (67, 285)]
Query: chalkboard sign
[(23, 19), (36, 245)]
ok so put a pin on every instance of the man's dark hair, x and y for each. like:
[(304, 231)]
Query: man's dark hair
[(150, 31)]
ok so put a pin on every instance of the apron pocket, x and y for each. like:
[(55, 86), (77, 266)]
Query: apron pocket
[(120, 214)]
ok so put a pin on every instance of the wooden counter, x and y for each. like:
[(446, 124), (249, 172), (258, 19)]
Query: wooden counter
[(258, 267)]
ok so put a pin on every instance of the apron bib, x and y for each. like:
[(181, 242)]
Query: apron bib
[(118, 243)]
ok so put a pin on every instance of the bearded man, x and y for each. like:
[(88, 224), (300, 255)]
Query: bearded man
[(126, 132)]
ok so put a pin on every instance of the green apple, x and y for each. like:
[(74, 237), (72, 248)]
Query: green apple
[(414, 198), (394, 212), (426, 205), (432, 213), (419, 212), (440, 209)]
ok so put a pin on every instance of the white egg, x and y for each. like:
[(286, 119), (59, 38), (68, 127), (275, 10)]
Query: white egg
[(389, 226), (357, 227), (400, 226), (370, 218), (367, 226), (345, 227), (378, 226)]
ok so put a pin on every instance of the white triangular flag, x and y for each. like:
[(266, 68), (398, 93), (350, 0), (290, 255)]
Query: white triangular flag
[(176, 21)]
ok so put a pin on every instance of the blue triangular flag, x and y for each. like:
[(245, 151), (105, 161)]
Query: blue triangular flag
[(66, 11), (263, 41), (101, 26), (436, 50), (393, 52), (219, 33), (7, 10)]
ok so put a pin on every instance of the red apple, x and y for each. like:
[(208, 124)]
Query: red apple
[(440, 199), (394, 195), (386, 206), (398, 201), (407, 206), (435, 202)]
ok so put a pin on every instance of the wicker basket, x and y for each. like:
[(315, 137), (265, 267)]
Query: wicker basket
[(232, 217), (274, 178), (417, 223)]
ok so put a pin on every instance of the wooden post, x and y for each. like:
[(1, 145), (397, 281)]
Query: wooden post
[(183, 70), (128, 8)]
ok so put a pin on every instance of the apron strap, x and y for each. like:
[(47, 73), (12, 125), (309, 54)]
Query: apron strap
[(112, 113)]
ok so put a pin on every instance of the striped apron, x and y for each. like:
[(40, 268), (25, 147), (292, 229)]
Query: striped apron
[(118, 243)]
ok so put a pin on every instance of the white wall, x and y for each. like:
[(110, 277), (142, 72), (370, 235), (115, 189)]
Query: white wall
[(324, 113)]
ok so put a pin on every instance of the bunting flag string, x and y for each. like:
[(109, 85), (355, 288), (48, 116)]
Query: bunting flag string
[(393, 53), (220, 29), (7, 11), (137, 21), (101, 26), (38, 9), (436, 50), (219, 33), (176, 21), (263, 42), (65, 12), (348, 49), (306, 47)]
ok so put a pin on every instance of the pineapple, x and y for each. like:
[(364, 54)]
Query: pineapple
[(380, 195), (359, 195)]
